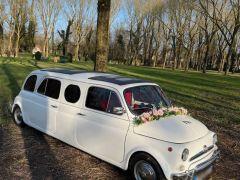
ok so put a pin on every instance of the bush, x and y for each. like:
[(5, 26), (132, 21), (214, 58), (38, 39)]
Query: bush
[(70, 57), (38, 55)]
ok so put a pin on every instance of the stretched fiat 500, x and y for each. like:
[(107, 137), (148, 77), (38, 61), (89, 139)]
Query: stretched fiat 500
[(127, 122)]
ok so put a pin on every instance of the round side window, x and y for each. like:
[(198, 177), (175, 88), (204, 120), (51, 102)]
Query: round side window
[(72, 93)]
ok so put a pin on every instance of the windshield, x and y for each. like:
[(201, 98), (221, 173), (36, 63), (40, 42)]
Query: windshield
[(142, 99)]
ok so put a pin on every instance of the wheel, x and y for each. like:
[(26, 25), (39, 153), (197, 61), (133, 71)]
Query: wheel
[(144, 167), (17, 117)]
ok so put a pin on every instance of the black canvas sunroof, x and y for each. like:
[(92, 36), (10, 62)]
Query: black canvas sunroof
[(120, 80), (64, 71)]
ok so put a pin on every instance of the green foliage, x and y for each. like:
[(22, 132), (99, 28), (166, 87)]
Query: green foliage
[(65, 37), (31, 35)]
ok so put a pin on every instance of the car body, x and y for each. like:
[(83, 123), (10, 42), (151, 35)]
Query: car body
[(65, 104)]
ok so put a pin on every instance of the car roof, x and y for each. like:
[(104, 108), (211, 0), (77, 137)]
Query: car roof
[(92, 77)]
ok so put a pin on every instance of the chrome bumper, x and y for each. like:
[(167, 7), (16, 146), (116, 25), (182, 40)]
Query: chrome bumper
[(189, 175)]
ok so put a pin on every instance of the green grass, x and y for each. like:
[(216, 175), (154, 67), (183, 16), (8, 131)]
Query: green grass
[(209, 96)]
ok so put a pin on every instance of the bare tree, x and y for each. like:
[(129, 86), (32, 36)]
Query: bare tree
[(20, 19), (48, 11), (2, 20), (226, 17), (79, 12)]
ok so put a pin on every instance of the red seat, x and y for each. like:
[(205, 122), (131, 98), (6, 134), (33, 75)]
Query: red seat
[(103, 105), (128, 97)]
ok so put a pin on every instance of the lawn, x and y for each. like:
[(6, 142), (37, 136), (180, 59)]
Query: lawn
[(207, 96), (211, 98)]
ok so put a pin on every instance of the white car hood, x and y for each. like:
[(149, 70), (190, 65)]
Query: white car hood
[(176, 129)]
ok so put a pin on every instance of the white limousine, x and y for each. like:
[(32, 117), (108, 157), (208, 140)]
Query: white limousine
[(124, 121)]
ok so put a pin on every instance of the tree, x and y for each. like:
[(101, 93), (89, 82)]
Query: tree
[(31, 28), (65, 37), (79, 11), (2, 19), (48, 11), (102, 40), (11, 24), (226, 17), (20, 19)]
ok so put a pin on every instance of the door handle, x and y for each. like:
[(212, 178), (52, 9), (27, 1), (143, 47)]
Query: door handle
[(80, 114), (54, 106)]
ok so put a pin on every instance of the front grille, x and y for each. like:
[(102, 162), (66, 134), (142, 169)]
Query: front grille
[(201, 153)]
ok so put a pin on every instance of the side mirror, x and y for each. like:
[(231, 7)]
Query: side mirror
[(170, 102), (118, 110)]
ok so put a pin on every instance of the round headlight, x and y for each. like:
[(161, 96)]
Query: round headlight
[(185, 154), (214, 139)]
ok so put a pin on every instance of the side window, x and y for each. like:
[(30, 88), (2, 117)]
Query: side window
[(72, 93), (113, 103), (53, 88), (102, 99), (30, 83), (50, 88), (42, 87), (97, 98)]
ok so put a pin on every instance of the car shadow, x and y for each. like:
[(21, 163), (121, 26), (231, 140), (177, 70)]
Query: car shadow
[(41, 160)]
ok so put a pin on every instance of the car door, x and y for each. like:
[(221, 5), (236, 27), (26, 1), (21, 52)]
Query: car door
[(100, 130), (28, 97), (46, 105), (69, 107)]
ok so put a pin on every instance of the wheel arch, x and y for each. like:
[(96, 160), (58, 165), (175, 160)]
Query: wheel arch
[(15, 105), (156, 156)]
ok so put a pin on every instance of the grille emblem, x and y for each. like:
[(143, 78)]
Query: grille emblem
[(186, 122)]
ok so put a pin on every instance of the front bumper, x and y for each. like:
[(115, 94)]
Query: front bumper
[(189, 174)]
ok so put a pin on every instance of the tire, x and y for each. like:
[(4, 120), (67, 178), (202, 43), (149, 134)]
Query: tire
[(17, 117), (144, 167)]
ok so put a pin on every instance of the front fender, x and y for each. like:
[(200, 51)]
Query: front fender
[(157, 149), (154, 153), (17, 102)]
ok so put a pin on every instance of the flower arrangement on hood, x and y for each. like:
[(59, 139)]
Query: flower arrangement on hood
[(157, 114)]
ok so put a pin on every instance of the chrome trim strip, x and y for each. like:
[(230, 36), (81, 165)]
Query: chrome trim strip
[(203, 165), (201, 153)]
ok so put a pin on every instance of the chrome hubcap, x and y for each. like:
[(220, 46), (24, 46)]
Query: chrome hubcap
[(143, 170), (18, 116)]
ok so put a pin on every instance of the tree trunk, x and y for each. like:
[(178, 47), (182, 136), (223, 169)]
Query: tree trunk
[(17, 45), (102, 39), (1, 39), (164, 60), (206, 56), (228, 61), (10, 44), (76, 51)]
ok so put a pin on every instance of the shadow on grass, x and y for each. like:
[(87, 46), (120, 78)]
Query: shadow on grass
[(13, 84), (42, 161), (34, 63)]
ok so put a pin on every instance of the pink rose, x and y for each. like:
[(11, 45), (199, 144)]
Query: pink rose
[(163, 109), (183, 111), (176, 110), (170, 109), (143, 119), (155, 112), (160, 112), (146, 115)]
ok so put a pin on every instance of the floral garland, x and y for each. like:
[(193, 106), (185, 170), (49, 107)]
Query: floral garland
[(157, 114)]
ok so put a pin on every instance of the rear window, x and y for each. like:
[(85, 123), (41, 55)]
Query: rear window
[(30, 83), (50, 87)]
